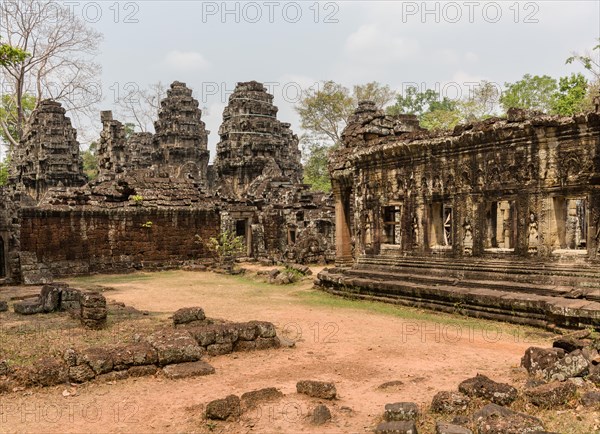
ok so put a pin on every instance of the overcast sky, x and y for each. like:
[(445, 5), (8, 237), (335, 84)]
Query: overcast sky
[(213, 45)]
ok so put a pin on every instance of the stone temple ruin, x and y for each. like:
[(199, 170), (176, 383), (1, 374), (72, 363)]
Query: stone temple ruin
[(156, 192), (500, 219)]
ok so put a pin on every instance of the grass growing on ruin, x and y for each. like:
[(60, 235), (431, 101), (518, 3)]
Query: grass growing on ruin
[(493, 329)]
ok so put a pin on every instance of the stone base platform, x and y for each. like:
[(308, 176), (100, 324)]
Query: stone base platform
[(538, 294)]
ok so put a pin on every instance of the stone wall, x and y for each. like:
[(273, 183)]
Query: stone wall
[(518, 185), (103, 240)]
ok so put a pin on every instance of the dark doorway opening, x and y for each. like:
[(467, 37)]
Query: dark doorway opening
[(2, 259)]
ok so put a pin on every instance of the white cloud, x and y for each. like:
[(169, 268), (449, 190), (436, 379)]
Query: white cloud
[(371, 43), (186, 61)]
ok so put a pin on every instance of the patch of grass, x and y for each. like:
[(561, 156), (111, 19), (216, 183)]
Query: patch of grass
[(492, 329)]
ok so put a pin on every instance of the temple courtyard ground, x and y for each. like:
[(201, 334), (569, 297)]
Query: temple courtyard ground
[(357, 345)]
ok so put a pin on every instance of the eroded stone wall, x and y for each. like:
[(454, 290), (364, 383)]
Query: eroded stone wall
[(112, 240), (520, 185)]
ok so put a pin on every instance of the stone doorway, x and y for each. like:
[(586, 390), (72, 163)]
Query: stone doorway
[(441, 227), (392, 224), (570, 224), (501, 226), (242, 229)]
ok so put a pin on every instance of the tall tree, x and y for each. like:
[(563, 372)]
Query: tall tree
[(413, 102), (380, 94), (570, 96), (531, 93), (60, 66)]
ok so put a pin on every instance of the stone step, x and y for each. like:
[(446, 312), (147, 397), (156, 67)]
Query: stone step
[(449, 280), (546, 274), (510, 306)]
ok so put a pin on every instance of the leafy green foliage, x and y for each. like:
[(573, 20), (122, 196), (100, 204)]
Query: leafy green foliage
[(90, 161), (571, 94), (225, 247), (590, 61), (531, 93), (380, 94), (413, 102), (315, 155), (11, 55), (9, 114)]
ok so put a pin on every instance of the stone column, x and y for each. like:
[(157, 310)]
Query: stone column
[(343, 233)]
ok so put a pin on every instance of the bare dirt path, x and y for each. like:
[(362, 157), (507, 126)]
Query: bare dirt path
[(358, 346)]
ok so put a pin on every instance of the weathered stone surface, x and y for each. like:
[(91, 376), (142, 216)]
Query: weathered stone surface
[(396, 427), (81, 373), (264, 329), (50, 298), (246, 331), (188, 314), (320, 415), (401, 411), (495, 419), (539, 359), (93, 312), (175, 346), (142, 371), (317, 389), (570, 344), (190, 369), (48, 372), (391, 385), (69, 299), (224, 409), (450, 402), (49, 155), (219, 349), (552, 395), (244, 346), (251, 399), (255, 147), (483, 387), (4, 368), (267, 343), (3, 306), (113, 376), (591, 398), (572, 365), (99, 359), (448, 428), (28, 307)]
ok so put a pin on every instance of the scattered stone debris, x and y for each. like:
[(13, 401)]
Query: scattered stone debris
[(317, 389), (552, 395), (495, 419), (448, 428), (483, 387), (188, 315), (448, 402), (190, 369), (320, 415), (401, 411), (397, 427), (255, 397), (228, 408)]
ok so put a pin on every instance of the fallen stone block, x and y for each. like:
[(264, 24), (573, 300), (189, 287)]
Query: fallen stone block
[(219, 349), (224, 409), (81, 374), (244, 346), (48, 372), (572, 365), (590, 399), (99, 359), (317, 389), (3, 306), (483, 387), (495, 419), (320, 415), (538, 359), (30, 306), (50, 298), (251, 399), (448, 402), (190, 369), (175, 346), (552, 395), (401, 411), (397, 427), (264, 329), (267, 343), (142, 371), (570, 344), (188, 314), (448, 428)]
